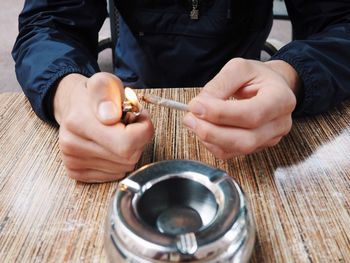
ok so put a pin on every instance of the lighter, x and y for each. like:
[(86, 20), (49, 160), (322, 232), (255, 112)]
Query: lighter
[(131, 106)]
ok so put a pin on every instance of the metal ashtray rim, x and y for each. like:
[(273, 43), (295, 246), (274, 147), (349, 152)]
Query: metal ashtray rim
[(220, 242)]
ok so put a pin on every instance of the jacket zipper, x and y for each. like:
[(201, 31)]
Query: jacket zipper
[(195, 10)]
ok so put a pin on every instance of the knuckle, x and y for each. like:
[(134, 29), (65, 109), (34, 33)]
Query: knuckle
[(276, 141), (134, 158), (248, 146), (72, 121), (290, 103), (289, 126), (203, 133), (99, 79), (129, 168), (237, 62), (76, 175), (102, 80), (230, 67), (216, 113), (241, 64), (67, 145), (125, 151), (288, 123), (256, 119), (70, 163), (241, 61), (217, 151), (131, 145), (220, 153)]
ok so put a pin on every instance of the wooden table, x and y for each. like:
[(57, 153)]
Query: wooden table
[(299, 191)]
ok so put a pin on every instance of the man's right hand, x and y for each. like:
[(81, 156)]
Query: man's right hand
[(95, 145)]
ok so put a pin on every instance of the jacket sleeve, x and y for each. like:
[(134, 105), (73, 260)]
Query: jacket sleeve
[(56, 38), (320, 53)]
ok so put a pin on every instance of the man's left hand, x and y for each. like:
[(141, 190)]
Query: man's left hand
[(245, 108)]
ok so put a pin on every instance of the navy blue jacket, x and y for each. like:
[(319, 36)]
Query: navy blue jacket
[(161, 46)]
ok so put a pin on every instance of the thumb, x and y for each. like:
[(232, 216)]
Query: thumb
[(105, 94), (234, 75)]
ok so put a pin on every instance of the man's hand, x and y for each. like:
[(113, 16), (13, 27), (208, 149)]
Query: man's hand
[(95, 145), (259, 114)]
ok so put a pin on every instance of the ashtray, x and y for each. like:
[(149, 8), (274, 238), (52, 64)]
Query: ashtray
[(179, 211)]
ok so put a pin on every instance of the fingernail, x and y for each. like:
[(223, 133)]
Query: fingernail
[(189, 122), (197, 108), (107, 110)]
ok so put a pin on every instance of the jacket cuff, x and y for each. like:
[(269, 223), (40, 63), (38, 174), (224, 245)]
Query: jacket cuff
[(49, 91), (308, 92)]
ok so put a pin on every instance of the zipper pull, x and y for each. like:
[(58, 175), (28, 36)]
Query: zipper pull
[(195, 10)]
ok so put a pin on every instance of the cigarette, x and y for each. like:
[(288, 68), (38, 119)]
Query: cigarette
[(172, 104)]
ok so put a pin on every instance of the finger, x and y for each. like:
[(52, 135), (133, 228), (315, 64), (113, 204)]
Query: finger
[(268, 104), (274, 141), (93, 176), (235, 74), (105, 94), (131, 137), (221, 154), (78, 163), (271, 143), (246, 92), (218, 152), (238, 140), (122, 140), (71, 144)]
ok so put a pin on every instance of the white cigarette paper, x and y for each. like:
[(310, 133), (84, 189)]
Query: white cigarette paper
[(164, 102)]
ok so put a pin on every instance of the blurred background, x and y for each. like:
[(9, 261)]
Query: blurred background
[(10, 9)]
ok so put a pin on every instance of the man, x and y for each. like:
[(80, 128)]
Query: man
[(209, 43)]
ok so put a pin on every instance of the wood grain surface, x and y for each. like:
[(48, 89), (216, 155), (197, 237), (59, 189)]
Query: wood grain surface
[(299, 190)]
